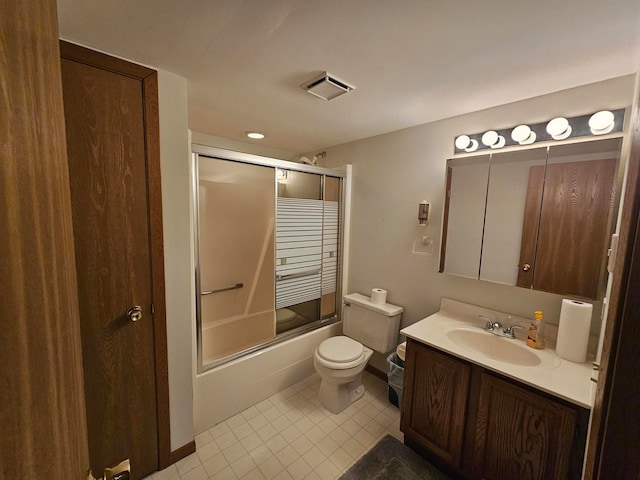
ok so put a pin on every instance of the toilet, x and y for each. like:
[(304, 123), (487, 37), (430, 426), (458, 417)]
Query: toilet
[(341, 360)]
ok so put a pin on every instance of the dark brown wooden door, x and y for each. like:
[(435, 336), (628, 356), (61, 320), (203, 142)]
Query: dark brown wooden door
[(105, 124), (530, 227), (434, 406), (574, 215), (574, 221), (42, 402), (521, 435)]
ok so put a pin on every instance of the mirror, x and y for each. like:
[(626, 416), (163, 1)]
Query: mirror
[(505, 212), (543, 221), (464, 215)]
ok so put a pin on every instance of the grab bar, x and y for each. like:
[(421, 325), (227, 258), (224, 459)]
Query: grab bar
[(223, 289), (306, 273)]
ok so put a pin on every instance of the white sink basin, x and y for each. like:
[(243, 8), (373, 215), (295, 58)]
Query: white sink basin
[(497, 348)]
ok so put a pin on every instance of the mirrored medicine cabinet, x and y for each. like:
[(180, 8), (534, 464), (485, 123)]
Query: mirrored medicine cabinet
[(537, 218)]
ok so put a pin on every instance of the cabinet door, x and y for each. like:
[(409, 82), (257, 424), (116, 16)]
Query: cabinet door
[(520, 434), (573, 215), (435, 402)]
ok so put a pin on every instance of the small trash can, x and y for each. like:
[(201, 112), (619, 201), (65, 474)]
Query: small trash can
[(396, 379)]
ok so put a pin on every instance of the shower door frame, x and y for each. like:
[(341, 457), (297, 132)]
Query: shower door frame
[(229, 155)]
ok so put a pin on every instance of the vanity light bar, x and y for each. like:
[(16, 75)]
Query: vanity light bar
[(559, 128)]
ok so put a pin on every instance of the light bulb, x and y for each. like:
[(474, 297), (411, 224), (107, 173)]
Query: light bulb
[(462, 142), (490, 138), (559, 128), (602, 122), (523, 134)]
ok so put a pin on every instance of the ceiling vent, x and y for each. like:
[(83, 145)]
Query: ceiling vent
[(327, 86)]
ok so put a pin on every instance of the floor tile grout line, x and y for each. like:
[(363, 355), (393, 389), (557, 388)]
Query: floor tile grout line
[(306, 408)]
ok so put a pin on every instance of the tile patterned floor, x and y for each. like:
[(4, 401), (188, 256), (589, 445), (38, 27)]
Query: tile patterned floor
[(290, 436)]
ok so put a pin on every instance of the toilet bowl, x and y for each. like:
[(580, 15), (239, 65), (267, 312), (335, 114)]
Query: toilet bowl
[(288, 320), (341, 360)]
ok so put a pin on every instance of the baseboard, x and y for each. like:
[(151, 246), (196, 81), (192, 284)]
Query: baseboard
[(183, 451), (378, 373)]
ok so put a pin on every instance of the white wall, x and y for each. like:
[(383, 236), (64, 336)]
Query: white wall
[(393, 172), (174, 153)]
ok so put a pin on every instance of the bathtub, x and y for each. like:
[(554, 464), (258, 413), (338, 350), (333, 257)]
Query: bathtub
[(224, 391)]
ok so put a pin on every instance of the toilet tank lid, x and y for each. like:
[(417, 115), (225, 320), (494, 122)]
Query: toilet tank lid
[(364, 301)]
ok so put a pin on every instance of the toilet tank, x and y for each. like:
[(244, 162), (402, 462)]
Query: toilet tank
[(374, 325)]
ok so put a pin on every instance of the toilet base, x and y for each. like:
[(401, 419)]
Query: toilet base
[(337, 398)]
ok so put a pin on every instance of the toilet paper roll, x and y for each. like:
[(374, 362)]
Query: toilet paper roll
[(401, 351), (378, 296), (573, 331)]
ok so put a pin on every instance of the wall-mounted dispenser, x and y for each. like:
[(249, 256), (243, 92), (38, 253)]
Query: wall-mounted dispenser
[(424, 210)]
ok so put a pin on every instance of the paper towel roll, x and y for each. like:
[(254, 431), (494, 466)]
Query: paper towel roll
[(573, 331), (378, 296)]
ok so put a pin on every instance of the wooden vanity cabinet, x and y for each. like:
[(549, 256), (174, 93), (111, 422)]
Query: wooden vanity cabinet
[(521, 434), (480, 425), (435, 403)]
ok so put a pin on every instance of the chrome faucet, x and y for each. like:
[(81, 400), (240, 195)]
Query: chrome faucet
[(508, 332), (497, 329), (491, 326)]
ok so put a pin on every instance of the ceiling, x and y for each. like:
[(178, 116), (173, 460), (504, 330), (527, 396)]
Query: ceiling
[(412, 61)]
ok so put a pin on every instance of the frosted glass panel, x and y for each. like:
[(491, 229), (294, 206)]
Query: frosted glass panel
[(330, 247), (298, 251), (306, 248), (236, 243)]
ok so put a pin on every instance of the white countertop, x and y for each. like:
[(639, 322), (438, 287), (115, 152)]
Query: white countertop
[(559, 377)]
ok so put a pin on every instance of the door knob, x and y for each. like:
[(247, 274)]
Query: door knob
[(135, 313), (526, 267)]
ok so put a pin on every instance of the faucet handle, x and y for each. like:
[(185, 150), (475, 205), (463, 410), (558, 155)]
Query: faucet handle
[(508, 332), (489, 326)]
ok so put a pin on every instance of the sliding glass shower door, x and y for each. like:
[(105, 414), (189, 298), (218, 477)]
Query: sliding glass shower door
[(306, 248), (267, 253), (236, 244)]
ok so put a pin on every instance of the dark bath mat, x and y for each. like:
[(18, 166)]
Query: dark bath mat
[(389, 459)]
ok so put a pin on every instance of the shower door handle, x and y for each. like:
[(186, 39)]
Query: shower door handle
[(223, 289), (306, 273)]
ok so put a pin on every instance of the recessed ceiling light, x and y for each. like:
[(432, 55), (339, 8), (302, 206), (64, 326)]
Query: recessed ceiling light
[(255, 135)]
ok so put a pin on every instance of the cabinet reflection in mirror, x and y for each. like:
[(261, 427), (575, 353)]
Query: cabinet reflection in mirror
[(537, 218)]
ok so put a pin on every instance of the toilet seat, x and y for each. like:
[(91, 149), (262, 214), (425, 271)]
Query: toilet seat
[(340, 353)]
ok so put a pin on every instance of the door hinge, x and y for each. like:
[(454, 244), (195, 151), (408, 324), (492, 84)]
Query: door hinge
[(153, 309), (595, 372)]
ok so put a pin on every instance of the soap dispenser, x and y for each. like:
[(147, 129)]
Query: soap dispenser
[(535, 338)]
